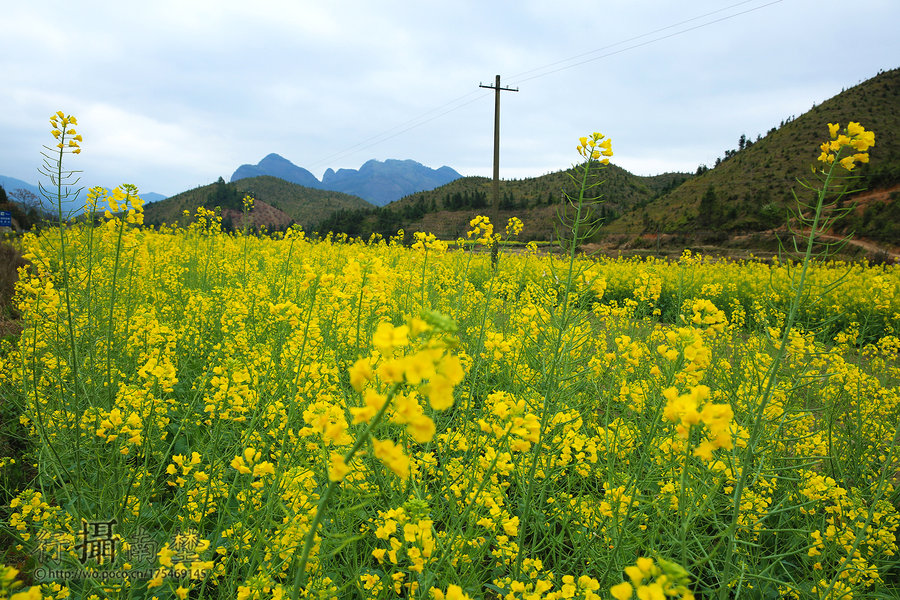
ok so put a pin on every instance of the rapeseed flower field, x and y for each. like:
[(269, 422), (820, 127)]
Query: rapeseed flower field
[(213, 415)]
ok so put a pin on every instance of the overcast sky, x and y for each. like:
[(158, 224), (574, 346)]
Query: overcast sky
[(170, 95)]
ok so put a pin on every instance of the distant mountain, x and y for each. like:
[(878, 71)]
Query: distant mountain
[(11, 184), (377, 182), (152, 197), (277, 166), (383, 182)]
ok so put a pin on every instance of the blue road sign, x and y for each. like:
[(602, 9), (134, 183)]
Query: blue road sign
[(5, 218)]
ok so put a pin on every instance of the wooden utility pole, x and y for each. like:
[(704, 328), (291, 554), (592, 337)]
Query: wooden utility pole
[(496, 184)]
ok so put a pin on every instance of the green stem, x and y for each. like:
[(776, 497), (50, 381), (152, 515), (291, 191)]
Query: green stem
[(112, 302), (69, 317), (525, 517), (882, 481), (772, 378), (300, 576)]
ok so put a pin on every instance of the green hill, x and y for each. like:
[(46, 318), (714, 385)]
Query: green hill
[(621, 190), (279, 202), (447, 210), (751, 188)]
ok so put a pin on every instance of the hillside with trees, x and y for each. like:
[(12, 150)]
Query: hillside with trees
[(447, 210), (279, 203), (749, 189), (25, 208)]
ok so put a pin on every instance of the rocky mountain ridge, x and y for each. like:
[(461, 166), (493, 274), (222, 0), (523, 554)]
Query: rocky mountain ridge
[(379, 182)]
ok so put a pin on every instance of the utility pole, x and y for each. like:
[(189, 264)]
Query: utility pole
[(496, 184)]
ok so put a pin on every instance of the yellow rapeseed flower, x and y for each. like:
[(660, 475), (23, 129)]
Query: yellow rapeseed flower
[(392, 456), (855, 138), (337, 469), (622, 591), (592, 148), (387, 338)]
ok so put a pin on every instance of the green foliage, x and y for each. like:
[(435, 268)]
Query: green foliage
[(224, 196), (10, 260), (883, 176), (466, 199), (709, 209)]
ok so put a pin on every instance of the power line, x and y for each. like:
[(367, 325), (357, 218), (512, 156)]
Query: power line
[(402, 128), (631, 39), (467, 99), (664, 37)]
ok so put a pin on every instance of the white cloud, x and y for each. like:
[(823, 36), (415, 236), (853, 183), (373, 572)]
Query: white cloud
[(175, 93)]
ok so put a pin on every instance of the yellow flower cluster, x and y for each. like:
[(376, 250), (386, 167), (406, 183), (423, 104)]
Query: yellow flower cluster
[(179, 461), (183, 554), (510, 420), (428, 241), (429, 369), (653, 580), (31, 512), (535, 583), (159, 371), (514, 227), (115, 425), (708, 317), (10, 589), (206, 220), (62, 128), (249, 463), (684, 409), (482, 230), (230, 394), (647, 288), (594, 146), (392, 455), (839, 514), (856, 138), (125, 199), (410, 538), (454, 592)]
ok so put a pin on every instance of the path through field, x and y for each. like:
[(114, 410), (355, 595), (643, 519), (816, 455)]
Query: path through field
[(864, 244)]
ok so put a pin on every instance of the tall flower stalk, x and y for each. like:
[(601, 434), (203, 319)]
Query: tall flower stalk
[(61, 189), (839, 154), (596, 152)]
